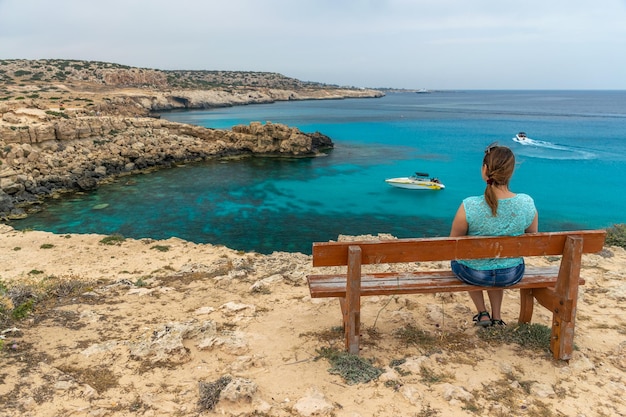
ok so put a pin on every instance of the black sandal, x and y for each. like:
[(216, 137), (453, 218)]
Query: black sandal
[(498, 322), (483, 323)]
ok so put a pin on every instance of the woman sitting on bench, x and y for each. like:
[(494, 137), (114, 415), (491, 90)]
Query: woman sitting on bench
[(499, 212)]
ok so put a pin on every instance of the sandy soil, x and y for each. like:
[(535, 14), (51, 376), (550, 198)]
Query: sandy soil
[(146, 327)]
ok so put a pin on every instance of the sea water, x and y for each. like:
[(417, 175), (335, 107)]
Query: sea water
[(574, 167)]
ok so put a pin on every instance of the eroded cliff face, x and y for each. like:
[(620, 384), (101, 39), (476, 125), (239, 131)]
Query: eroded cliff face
[(68, 125), (77, 154), (116, 89)]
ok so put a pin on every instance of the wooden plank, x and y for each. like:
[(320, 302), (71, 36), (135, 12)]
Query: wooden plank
[(334, 285), (447, 248)]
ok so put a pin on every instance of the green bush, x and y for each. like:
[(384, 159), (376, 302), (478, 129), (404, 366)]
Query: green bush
[(616, 236), (23, 309), (114, 239), (57, 114)]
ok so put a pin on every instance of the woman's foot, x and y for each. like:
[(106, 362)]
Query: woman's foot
[(482, 319)]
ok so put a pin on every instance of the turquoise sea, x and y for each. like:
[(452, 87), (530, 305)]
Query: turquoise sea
[(574, 168)]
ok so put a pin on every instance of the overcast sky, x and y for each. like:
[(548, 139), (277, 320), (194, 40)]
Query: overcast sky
[(433, 44)]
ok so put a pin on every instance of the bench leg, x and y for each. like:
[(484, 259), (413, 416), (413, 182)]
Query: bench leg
[(527, 303), (352, 309), (560, 300), (564, 316), (344, 313), (344, 317)]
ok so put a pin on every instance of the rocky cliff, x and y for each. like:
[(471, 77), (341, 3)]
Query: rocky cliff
[(116, 89), (69, 125), (77, 154)]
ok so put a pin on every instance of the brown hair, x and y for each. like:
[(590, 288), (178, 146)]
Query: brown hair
[(500, 163)]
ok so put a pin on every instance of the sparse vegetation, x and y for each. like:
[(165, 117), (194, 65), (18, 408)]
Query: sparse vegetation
[(331, 336), (529, 336), (411, 335), (100, 378), (114, 239), (431, 377), (23, 310), (616, 235), (17, 301), (210, 392), (57, 114), (47, 70), (352, 368)]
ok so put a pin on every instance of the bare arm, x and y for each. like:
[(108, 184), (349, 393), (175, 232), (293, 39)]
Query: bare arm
[(534, 226), (459, 224)]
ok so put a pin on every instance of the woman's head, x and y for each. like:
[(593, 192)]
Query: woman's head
[(498, 166), (499, 163)]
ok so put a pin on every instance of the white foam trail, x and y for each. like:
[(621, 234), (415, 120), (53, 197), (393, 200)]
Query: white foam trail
[(540, 149)]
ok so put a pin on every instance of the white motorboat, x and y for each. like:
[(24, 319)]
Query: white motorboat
[(419, 181), (521, 137)]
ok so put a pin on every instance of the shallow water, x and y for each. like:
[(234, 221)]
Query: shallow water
[(573, 167)]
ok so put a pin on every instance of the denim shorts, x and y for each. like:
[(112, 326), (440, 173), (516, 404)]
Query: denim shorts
[(490, 277)]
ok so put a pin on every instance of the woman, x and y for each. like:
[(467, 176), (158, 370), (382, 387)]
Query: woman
[(499, 212)]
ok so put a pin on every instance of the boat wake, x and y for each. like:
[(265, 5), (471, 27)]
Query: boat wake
[(548, 150)]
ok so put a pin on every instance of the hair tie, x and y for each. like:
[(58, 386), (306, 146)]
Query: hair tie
[(489, 181)]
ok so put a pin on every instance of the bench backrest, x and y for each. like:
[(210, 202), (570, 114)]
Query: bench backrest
[(448, 248)]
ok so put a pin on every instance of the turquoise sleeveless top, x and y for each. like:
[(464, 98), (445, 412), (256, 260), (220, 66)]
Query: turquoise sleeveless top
[(514, 216)]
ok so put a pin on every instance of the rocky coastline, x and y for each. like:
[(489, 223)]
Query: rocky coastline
[(78, 154), (68, 126)]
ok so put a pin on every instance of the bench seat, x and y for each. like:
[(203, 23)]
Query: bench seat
[(389, 283)]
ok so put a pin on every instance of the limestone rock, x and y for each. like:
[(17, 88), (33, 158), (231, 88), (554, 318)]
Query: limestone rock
[(166, 344), (452, 392), (314, 403), (77, 153), (239, 389)]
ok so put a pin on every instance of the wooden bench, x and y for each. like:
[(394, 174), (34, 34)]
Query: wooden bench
[(555, 288)]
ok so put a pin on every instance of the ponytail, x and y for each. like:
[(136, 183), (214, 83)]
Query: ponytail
[(491, 199), (500, 163)]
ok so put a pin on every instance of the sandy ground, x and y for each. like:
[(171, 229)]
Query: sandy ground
[(141, 327)]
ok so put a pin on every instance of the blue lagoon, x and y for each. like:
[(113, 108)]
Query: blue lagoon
[(574, 169)]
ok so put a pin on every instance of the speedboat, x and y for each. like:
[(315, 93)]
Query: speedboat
[(521, 137), (419, 181)]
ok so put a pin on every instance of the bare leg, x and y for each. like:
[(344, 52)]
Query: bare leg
[(479, 301), (495, 299)]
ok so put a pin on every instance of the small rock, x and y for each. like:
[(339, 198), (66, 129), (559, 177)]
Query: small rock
[(239, 389), (542, 390), (313, 404), (452, 392)]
